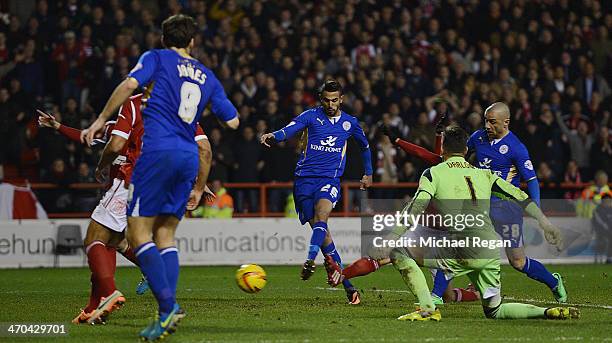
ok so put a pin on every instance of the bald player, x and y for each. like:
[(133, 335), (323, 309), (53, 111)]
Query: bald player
[(500, 150), (456, 179)]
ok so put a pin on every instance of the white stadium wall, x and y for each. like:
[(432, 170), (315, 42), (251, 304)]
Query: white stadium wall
[(267, 241)]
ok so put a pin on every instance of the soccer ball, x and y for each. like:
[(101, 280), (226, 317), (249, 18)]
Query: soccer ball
[(251, 278)]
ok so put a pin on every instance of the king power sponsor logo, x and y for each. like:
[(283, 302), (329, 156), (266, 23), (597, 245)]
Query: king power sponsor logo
[(328, 145)]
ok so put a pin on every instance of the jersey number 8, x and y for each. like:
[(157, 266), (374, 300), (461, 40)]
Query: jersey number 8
[(190, 99)]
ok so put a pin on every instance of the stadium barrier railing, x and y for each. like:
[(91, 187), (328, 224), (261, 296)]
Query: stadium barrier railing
[(345, 208)]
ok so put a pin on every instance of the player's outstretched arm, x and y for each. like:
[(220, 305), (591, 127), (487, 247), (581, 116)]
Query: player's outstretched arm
[(419, 152), (296, 125), (410, 148), (48, 120), (119, 96)]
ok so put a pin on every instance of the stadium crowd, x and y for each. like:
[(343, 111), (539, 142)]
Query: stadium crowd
[(402, 63)]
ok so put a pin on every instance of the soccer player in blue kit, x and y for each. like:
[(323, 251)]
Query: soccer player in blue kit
[(499, 150), (178, 88), (317, 174)]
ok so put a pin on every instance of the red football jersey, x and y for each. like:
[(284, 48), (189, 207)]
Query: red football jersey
[(115, 168), (130, 126)]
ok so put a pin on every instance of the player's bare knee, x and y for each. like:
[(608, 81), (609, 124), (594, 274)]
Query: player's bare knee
[(517, 262), (139, 230), (122, 246), (116, 239), (136, 237), (164, 239), (322, 210), (164, 235), (321, 215), (449, 295), (96, 232)]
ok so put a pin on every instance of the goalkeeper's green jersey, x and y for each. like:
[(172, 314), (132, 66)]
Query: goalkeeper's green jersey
[(458, 189)]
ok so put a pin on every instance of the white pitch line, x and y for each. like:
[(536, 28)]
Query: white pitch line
[(605, 307)]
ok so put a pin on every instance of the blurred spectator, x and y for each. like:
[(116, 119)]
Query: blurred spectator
[(423, 133), (580, 142), (601, 150), (248, 164), (29, 72), (408, 173), (385, 167), (396, 60), (591, 196), (572, 175), (222, 206), (52, 143), (278, 166), (546, 175), (602, 227), (10, 113), (58, 199), (590, 83), (223, 157), (85, 200), (69, 58)]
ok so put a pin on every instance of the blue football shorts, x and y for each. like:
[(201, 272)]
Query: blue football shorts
[(161, 183)]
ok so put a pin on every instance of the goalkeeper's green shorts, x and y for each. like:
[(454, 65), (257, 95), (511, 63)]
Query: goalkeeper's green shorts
[(485, 274)]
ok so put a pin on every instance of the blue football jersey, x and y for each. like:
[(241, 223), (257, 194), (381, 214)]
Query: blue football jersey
[(507, 157), (324, 153), (177, 91)]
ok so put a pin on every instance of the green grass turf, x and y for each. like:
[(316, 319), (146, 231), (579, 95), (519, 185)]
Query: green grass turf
[(289, 309)]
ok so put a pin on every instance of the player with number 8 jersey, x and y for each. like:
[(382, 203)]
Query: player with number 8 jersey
[(170, 119), (178, 88)]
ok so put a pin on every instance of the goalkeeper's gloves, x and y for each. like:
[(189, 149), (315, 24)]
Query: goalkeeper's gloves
[(551, 233), (441, 124)]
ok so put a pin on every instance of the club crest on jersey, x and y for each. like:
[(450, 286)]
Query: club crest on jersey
[(346, 126), (320, 120), (528, 165), (485, 164), (503, 149)]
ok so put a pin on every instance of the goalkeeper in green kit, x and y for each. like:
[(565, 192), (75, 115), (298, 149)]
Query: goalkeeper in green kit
[(459, 189)]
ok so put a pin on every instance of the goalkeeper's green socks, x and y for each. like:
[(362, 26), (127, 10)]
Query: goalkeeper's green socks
[(414, 279), (519, 311)]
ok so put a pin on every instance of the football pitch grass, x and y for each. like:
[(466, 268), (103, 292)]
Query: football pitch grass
[(289, 309)]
